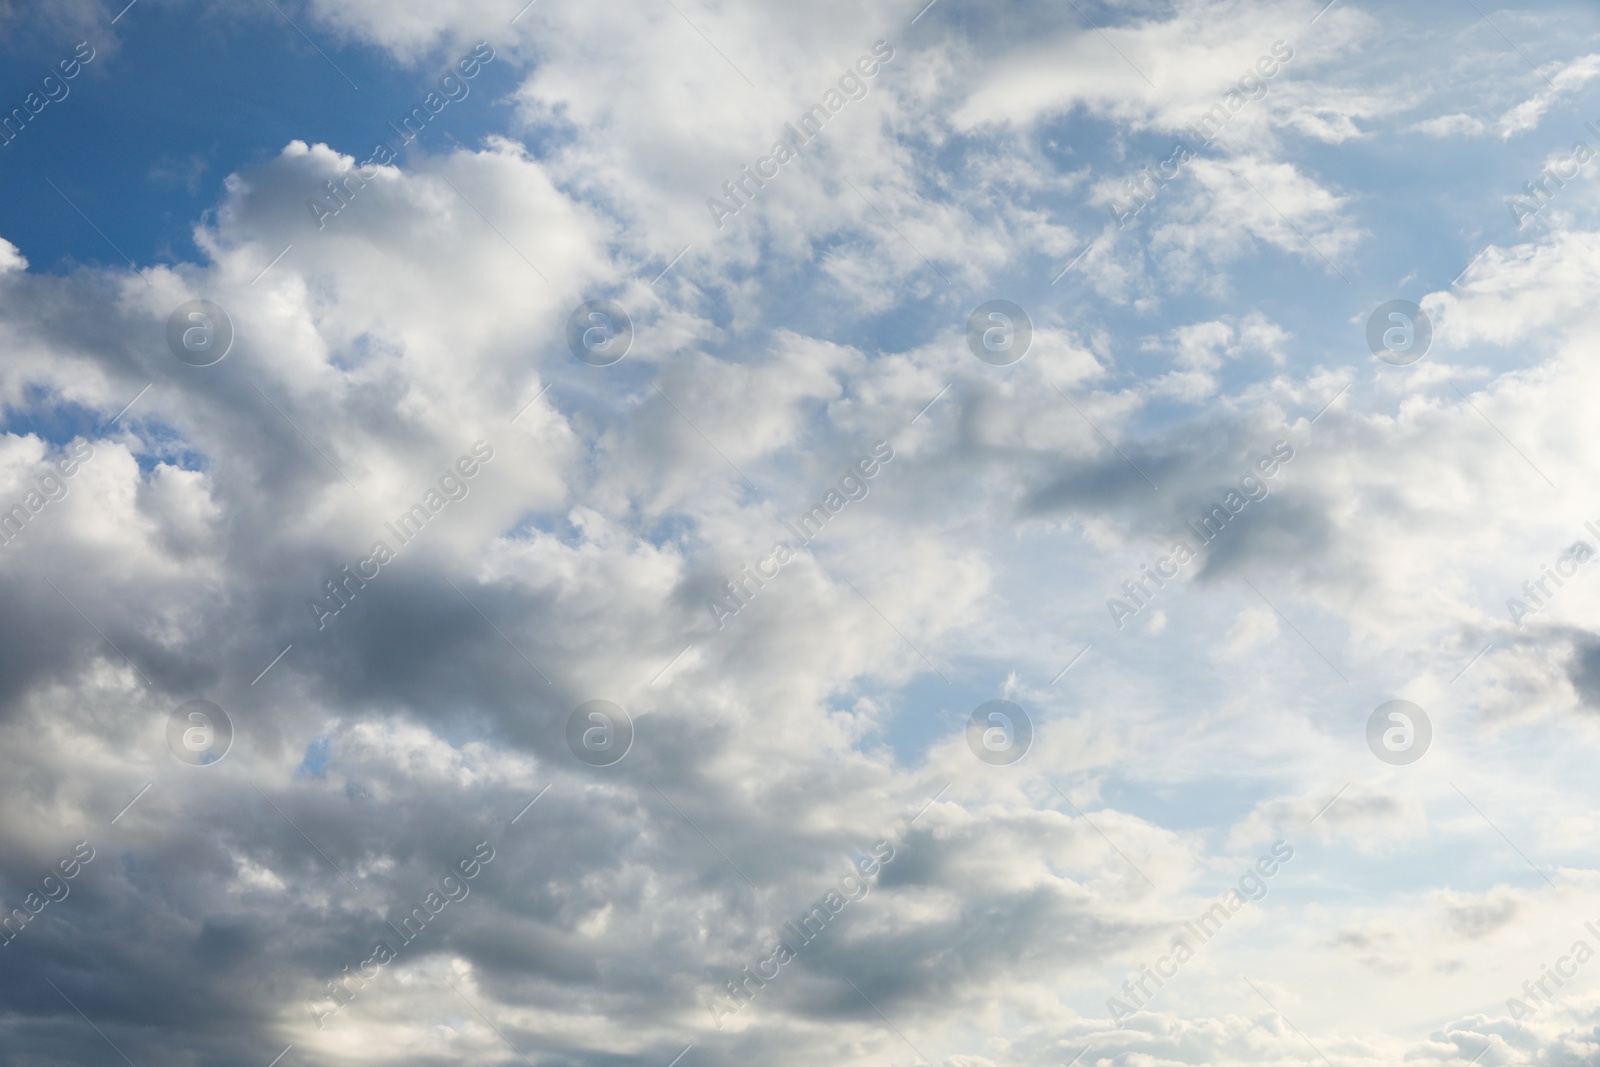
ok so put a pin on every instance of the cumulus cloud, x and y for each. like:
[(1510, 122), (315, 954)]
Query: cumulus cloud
[(410, 528)]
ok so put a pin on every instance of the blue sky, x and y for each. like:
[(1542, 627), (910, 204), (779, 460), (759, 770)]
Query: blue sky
[(184, 98)]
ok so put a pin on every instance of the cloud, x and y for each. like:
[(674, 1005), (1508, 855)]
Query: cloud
[(1572, 76), (425, 321)]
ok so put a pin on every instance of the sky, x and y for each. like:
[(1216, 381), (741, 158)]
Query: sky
[(987, 533)]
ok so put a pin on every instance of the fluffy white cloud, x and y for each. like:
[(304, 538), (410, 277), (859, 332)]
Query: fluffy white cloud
[(614, 539)]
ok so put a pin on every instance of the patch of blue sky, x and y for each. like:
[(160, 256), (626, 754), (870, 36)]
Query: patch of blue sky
[(176, 99)]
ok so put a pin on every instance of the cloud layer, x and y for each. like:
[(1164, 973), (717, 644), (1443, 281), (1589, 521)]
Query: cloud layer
[(408, 527)]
